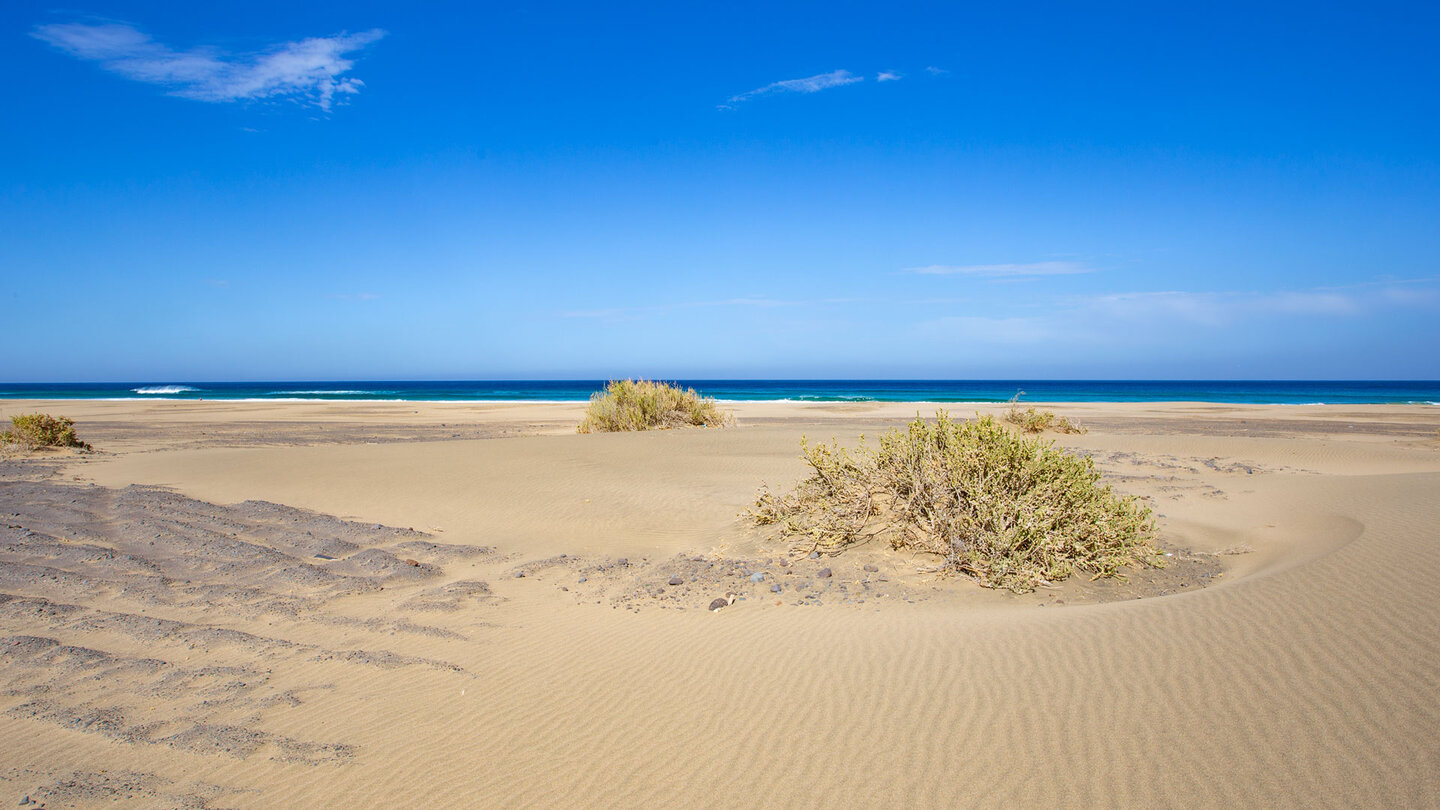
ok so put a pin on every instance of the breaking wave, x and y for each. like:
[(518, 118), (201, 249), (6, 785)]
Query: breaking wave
[(164, 389)]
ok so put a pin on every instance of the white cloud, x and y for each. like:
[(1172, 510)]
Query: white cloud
[(809, 84), (889, 76), (1219, 308), (309, 69), (935, 71), (1002, 270)]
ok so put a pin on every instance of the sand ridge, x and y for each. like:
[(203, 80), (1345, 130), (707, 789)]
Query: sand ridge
[(340, 616)]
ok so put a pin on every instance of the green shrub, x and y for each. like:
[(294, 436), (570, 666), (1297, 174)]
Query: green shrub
[(42, 430), (1010, 511), (645, 405), (1033, 421)]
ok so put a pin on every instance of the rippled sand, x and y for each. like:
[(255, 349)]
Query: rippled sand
[(262, 605)]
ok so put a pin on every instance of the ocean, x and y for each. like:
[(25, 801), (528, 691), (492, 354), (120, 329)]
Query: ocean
[(960, 391)]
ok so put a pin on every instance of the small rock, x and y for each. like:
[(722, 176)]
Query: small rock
[(413, 563), (623, 561), (757, 576), (775, 588), (581, 579), (676, 581), (721, 602), (823, 573), (317, 556), (814, 555), (870, 567), (519, 574)]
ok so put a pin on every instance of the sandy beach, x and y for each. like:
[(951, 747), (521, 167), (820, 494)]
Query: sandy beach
[(256, 605)]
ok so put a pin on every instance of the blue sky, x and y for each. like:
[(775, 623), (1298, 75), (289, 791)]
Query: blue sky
[(378, 191)]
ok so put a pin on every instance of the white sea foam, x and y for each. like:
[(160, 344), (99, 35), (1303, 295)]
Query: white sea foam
[(164, 389)]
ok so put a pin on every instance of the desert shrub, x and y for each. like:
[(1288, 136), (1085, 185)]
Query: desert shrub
[(1033, 421), (42, 430), (1010, 511), (646, 405)]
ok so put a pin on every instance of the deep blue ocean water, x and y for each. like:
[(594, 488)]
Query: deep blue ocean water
[(1254, 391)]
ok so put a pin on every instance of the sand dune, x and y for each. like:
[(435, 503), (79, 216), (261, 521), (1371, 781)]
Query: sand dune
[(323, 605)]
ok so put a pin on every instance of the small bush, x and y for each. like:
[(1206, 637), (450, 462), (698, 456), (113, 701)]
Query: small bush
[(644, 405), (1010, 511), (42, 430), (1033, 421)]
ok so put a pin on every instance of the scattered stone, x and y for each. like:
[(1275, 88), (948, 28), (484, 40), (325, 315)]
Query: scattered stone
[(757, 576), (676, 581), (581, 579), (623, 561), (814, 555), (519, 574), (722, 602), (823, 573), (871, 567), (323, 557), (775, 588), (413, 563)]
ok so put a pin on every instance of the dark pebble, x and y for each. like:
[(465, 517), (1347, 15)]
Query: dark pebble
[(823, 573), (719, 603), (775, 588), (676, 581)]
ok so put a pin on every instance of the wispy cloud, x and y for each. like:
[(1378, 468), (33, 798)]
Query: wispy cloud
[(809, 84), (309, 70), (889, 76), (1220, 308), (935, 71), (1002, 270)]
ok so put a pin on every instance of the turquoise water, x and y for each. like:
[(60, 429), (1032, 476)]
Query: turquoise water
[(1252, 391)]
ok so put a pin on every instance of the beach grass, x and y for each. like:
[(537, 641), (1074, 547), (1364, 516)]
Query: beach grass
[(628, 405), (1031, 420), (1010, 511), (36, 430)]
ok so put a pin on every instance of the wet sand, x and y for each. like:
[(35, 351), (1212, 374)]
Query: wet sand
[(370, 604)]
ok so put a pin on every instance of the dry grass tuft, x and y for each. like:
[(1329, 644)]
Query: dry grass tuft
[(1010, 511), (1033, 421), (36, 430), (645, 405)]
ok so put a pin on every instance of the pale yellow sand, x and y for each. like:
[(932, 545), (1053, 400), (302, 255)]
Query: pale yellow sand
[(1307, 675)]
